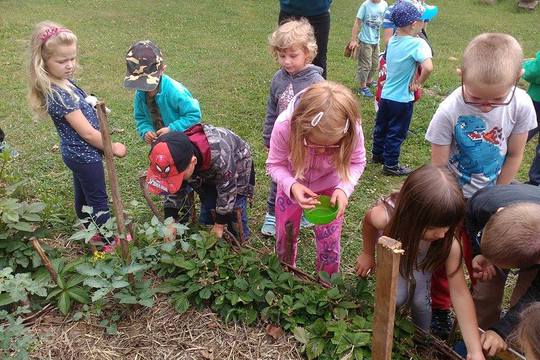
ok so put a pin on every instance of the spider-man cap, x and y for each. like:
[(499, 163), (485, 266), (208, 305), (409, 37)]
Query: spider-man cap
[(170, 156)]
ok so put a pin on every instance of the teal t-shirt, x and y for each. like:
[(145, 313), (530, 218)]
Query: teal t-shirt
[(402, 55), (371, 14)]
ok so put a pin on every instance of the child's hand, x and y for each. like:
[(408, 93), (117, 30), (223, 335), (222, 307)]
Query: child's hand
[(163, 130), (150, 137), (119, 149), (483, 269), (217, 229), (339, 197), (364, 264), (479, 356), (353, 44), (414, 86), (306, 198), (492, 343)]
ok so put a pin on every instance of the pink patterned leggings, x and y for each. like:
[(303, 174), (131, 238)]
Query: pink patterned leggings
[(327, 237)]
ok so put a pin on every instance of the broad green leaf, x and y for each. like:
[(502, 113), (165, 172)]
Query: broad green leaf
[(97, 283), (270, 297), (181, 304), (315, 347), (148, 302), (133, 268), (53, 293), (5, 299), (241, 284), (118, 284), (75, 280), (205, 293), (300, 334), (79, 294), (87, 269), (23, 226), (64, 303), (100, 294)]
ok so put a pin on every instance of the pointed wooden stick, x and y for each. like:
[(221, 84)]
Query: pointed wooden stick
[(388, 256), (44, 259), (113, 181)]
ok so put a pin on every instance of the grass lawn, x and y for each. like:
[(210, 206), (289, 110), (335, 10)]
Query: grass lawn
[(218, 49)]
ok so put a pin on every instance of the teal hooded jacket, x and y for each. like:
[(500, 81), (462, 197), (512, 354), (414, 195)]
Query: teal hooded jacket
[(179, 110)]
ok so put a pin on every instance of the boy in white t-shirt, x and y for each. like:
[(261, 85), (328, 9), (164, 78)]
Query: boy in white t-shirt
[(479, 131)]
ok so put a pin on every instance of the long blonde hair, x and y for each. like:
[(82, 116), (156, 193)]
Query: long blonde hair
[(341, 117), (46, 37)]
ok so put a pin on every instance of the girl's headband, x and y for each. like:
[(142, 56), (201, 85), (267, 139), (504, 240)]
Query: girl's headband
[(51, 32), (317, 119)]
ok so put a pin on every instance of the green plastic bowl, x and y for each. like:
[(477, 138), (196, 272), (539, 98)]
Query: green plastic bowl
[(323, 213)]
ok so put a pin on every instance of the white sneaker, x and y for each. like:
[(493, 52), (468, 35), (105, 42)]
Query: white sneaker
[(269, 226)]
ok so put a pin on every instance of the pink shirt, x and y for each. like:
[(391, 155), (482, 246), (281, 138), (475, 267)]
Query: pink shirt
[(320, 173)]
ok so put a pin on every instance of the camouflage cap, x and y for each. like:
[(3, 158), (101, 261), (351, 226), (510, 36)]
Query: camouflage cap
[(144, 65)]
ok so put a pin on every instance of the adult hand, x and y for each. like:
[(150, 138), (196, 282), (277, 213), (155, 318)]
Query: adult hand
[(163, 131), (306, 198), (149, 137), (119, 149), (340, 198), (483, 269), (217, 229), (364, 264), (492, 343)]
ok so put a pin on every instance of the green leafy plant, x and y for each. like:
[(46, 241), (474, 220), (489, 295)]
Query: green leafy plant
[(15, 340)]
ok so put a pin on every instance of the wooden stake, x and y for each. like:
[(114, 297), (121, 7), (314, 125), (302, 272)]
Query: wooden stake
[(113, 180), (44, 259), (238, 212), (148, 197), (289, 235), (388, 254)]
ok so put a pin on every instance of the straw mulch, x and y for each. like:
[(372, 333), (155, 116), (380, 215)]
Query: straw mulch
[(158, 333)]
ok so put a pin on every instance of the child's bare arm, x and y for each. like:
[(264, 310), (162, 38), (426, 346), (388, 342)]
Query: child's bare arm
[(426, 69), (512, 161), (375, 221), (440, 154), (463, 303), (354, 34), (80, 124)]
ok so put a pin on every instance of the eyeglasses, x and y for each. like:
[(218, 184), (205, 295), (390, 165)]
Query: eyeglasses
[(317, 146), (487, 103)]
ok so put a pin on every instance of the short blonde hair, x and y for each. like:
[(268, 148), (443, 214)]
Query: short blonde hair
[(511, 237), (340, 121), (492, 59), (294, 34)]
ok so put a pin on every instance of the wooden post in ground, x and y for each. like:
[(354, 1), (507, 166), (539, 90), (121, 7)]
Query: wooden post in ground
[(44, 259), (113, 181), (388, 256), (289, 235)]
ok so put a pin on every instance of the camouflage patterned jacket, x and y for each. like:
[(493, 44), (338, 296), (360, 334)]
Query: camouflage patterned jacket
[(228, 165)]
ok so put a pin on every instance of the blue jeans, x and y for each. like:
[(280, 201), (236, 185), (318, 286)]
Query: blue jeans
[(534, 172), (391, 126), (89, 189), (208, 196)]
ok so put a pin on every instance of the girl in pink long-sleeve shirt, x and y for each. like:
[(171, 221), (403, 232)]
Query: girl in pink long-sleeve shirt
[(316, 147)]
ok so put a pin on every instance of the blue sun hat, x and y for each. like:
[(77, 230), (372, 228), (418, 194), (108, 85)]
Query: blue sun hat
[(430, 11)]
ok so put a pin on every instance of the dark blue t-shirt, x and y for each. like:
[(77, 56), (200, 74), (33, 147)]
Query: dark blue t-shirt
[(72, 145)]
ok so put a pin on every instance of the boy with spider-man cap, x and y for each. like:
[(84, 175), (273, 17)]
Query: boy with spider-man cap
[(215, 162)]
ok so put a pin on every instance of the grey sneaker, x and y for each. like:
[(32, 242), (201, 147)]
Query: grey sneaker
[(396, 170), (269, 226)]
